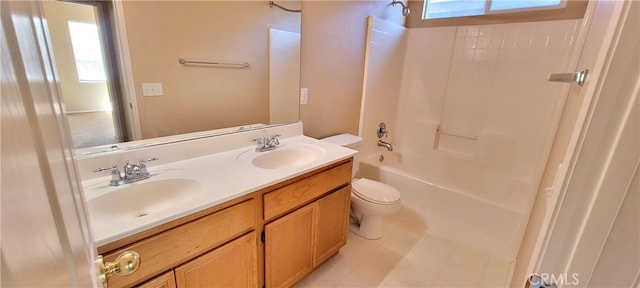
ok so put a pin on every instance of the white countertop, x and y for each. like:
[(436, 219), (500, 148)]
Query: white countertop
[(223, 176)]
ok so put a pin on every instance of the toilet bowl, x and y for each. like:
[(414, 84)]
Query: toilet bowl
[(371, 200)]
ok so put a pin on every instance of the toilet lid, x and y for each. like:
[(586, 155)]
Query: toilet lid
[(374, 191)]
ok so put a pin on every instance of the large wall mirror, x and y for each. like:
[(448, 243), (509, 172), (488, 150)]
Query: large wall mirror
[(173, 98)]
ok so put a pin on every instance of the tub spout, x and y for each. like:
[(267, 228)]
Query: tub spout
[(385, 145)]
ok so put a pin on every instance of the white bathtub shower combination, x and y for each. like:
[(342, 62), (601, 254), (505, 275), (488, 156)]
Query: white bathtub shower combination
[(471, 117), (447, 211)]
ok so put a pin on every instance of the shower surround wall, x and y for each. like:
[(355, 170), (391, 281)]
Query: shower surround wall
[(384, 57), (474, 112)]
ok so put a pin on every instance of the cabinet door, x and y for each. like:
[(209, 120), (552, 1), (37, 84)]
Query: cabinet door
[(166, 280), (332, 220), (233, 265), (289, 248)]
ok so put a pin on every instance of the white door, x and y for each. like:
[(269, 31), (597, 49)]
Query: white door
[(46, 240), (594, 236)]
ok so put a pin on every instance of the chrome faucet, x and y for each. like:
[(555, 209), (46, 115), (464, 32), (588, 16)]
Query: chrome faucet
[(132, 172), (385, 145), (267, 143)]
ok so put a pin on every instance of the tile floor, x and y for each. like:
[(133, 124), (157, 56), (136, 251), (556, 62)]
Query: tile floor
[(408, 256)]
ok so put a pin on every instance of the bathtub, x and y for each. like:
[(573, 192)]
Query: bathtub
[(460, 216)]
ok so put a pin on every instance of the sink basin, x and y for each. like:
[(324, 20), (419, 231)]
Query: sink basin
[(147, 198), (288, 156)]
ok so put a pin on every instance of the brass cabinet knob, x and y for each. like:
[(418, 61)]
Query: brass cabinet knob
[(127, 263)]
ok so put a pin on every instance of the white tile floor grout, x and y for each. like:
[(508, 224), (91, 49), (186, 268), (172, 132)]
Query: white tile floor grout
[(408, 256)]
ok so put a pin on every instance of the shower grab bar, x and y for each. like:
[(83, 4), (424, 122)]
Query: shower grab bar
[(214, 63), (439, 130)]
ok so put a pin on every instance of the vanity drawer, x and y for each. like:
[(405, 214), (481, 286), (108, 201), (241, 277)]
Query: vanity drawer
[(168, 249), (299, 193)]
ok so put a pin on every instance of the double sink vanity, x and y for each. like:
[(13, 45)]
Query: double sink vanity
[(215, 212)]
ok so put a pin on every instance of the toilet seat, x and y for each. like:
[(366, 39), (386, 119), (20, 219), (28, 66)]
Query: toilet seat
[(375, 192)]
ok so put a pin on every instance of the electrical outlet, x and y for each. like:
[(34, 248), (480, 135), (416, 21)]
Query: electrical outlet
[(304, 96), (152, 89)]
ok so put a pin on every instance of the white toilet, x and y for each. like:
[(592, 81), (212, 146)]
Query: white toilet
[(370, 200)]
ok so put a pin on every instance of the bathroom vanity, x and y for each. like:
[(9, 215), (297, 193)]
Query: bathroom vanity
[(305, 223), (270, 226)]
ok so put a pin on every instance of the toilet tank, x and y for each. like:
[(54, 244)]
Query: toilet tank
[(349, 141)]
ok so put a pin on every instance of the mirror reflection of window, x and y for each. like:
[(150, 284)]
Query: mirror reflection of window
[(81, 71), (87, 51)]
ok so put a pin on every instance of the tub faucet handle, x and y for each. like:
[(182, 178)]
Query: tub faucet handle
[(382, 130)]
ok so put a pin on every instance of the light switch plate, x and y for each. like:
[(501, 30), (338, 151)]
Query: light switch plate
[(152, 89), (304, 96)]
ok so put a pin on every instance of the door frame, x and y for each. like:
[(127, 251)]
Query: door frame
[(112, 21), (127, 82), (575, 231), (106, 24)]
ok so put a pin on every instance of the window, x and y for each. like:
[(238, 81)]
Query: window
[(475, 12), (498, 5), (87, 51), (435, 9)]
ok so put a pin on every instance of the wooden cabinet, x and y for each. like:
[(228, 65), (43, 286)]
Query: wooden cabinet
[(232, 265), (289, 248), (331, 222), (171, 248), (285, 199), (166, 280), (300, 241), (304, 221)]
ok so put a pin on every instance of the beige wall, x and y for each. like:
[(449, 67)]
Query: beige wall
[(201, 98), (78, 96), (332, 60)]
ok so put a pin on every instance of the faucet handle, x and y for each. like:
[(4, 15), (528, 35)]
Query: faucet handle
[(116, 177), (143, 167), (274, 140), (382, 130)]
